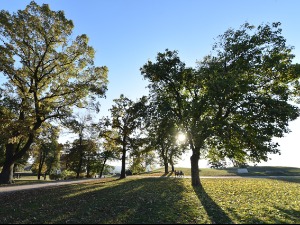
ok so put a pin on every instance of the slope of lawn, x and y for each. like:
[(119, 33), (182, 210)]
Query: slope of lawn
[(253, 171), (157, 200), (232, 171), (25, 180)]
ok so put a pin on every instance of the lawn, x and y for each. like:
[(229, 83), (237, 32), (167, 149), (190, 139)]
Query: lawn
[(232, 171), (253, 171), (25, 180), (157, 200)]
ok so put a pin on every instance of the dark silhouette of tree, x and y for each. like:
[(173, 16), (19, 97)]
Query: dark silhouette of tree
[(123, 130), (235, 100)]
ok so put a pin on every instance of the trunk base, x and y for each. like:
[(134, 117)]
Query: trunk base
[(195, 170), (7, 174)]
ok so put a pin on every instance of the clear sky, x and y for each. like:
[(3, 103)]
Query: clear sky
[(126, 33)]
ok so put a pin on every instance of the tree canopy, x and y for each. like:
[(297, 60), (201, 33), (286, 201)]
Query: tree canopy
[(123, 131), (236, 99), (48, 74)]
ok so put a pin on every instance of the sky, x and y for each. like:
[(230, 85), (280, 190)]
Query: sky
[(126, 33)]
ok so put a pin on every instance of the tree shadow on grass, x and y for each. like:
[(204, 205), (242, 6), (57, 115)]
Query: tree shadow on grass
[(214, 211), (135, 201), (289, 179), (167, 174), (292, 214)]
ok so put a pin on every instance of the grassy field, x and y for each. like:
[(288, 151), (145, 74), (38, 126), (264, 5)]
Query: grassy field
[(253, 171), (157, 200), (24, 180)]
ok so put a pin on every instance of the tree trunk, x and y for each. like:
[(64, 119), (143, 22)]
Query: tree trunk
[(88, 168), (88, 171), (45, 175), (79, 168), (47, 172), (195, 168), (123, 175), (166, 167), (165, 158), (7, 173), (6, 176), (172, 163), (81, 157), (41, 164), (102, 169)]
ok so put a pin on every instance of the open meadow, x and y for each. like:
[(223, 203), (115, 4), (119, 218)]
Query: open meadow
[(232, 171), (157, 200)]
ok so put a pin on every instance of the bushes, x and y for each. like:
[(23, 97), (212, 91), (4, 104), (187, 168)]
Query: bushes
[(65, 175), (55, 176)]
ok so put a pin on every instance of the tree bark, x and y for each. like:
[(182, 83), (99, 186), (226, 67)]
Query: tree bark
[(41, 164), (11, 156), (173, 169), (81, 157), (88, 168), (79, 168), (172, 163), (166, 167), (6, 176), (195, 168), (7, 173), (102, 168), (47, 172), (165, 158), (123, 174)]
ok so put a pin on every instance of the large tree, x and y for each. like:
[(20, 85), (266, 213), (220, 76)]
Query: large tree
[(123, 129), (46, 151), (236, 100), (47, 74), (81, 126), (81, 156), (103, 157), (163, 134)]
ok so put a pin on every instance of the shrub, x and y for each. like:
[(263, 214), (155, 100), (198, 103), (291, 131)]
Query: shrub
[(55, 176), (128, 172), (67, 174)]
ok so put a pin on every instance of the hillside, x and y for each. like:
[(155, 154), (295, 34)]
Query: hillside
[(233, 171)]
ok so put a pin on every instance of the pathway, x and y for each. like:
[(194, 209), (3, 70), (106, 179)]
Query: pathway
[(6, 189)]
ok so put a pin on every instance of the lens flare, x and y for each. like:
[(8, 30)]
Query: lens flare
[(181, 137)]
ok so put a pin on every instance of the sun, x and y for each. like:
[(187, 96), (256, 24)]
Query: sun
[(181, 137)]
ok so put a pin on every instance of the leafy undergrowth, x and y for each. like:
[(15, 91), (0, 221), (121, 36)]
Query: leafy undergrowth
[(155, 200)]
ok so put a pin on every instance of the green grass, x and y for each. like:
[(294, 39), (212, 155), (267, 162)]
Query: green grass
[(27, 180), (253, 171), (156, 200)]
